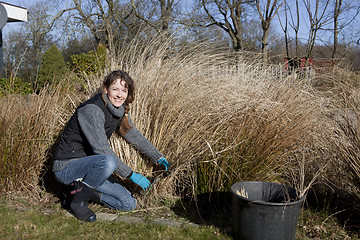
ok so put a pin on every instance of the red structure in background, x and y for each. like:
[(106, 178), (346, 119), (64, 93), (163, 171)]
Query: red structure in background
[(293, 63), (319, 65)]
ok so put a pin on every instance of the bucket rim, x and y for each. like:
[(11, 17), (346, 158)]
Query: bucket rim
[(260, 202)]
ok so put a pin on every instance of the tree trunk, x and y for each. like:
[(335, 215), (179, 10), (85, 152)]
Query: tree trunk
[(336, 27), (165, 14), (264, 44)]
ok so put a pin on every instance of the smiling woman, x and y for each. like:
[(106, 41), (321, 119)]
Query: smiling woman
[(84, 158), (117, 93), (117, 87)]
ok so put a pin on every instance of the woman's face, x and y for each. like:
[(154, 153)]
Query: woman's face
[(117, 93)]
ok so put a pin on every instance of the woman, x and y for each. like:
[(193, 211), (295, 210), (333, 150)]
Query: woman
[(84, 158)]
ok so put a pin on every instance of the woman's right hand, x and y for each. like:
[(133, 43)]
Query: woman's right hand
[(140, 180)]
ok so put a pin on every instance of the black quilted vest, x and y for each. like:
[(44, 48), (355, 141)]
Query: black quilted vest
[(73, 143)]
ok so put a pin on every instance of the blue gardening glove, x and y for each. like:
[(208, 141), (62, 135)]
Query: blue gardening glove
[(162, 161), (140, 180)]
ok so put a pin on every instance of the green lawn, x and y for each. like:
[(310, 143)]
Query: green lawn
[(31, 223)]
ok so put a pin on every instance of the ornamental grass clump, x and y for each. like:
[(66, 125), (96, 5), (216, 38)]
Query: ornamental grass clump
[(217, 116), (343, 175), (29, 125), (215, 127)]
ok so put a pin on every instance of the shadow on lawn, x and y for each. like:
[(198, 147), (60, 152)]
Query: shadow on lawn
[(212, 209), (215, 209), (343, 205)]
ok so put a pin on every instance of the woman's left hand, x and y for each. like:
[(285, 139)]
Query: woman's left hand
[(163, 162), (140, 180)]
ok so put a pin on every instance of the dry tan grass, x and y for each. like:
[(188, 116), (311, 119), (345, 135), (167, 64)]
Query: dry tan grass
[(215, 127), (29, 126), (333, 146), (240, 125)]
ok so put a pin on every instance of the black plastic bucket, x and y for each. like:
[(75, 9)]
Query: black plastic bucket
[(265, 211)]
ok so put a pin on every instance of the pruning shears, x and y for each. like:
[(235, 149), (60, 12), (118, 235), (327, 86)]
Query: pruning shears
[(153, 180)]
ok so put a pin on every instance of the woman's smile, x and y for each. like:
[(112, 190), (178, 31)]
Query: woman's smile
[(117, 93)]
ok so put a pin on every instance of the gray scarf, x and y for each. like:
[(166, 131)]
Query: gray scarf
[(119, 112)]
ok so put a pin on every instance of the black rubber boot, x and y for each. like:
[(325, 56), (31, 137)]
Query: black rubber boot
[(79, 204), (96, 196)]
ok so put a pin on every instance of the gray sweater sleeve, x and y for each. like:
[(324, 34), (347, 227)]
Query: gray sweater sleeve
[(91, 119), (136, 139)]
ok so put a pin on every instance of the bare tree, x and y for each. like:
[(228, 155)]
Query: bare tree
[(228, 15), (166, 7), (251, 36), (292, 20), (102, 18), (337, 10), (267, 10), (24, 48), (349, 10), (285, 28), (329, 17), (158, 13), (294, 16), (318, 18), (295, 25)]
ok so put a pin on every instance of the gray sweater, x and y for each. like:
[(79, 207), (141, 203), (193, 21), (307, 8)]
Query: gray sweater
[(91, 120)]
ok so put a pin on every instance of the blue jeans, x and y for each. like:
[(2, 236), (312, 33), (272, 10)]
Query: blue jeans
[(96, 171)]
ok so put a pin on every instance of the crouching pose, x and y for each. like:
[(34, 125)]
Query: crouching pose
[(84, 158)]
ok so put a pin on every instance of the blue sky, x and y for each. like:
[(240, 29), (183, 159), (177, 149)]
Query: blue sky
[(303, 29), (27, 3), (21, 3)]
